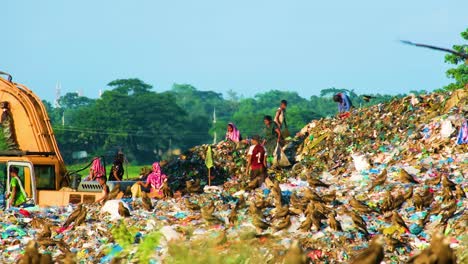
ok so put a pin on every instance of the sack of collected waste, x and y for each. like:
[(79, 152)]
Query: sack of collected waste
[(279, 158)]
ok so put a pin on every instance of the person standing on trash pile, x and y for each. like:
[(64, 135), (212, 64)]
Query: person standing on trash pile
[(280, 119), (17, 195), (105, 189), (257, 160), (344, 104), (154, 182), (117, 171), (272, 136), (96, 170), (233, 134)]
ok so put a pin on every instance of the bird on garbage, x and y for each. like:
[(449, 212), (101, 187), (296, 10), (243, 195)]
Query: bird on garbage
[(259, 223), (71, 218), (393, 243), (333, 223), (379, 180), (46, 259), (329, 197), (398, 201), (190, 205), (374, 254), (447, 183), (146, 202), (447, 194), (316, 183), (128, 191), (398, 221), (306, 225), (283, 223), (123, 211), (418, 202), (295, 254), (81, 217), (241, 201), (387, 203), (359, 223), (317, 218), (405, 177), (254, 210), (311, 195), (433, 182), (459, 193), (360, 206), (253, 184), (209, 208), (233, 217), (114, 192), (193, 186), (427, 197), (45, 232), (207, 215), (221, 239), (439, 251), (408, 193), (281, 211), (167, 192), (449, 211), (31, 254)]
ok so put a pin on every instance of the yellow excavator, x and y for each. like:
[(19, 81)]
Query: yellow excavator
[(32, 148)]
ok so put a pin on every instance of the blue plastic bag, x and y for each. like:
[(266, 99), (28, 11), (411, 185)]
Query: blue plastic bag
[(463, 134)]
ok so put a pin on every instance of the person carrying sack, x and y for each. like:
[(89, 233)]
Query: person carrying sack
[(280, 119), (17, 196)]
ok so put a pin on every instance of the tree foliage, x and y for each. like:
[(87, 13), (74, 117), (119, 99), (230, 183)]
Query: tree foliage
[(460, 73), (147, 124)]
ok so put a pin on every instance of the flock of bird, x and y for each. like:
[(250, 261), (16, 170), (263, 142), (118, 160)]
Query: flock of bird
[(316, 204)]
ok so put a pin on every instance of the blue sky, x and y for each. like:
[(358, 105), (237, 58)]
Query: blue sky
[(248, 46)]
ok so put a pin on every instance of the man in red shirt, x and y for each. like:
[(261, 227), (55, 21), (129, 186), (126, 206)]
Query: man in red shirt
[(257, 160)]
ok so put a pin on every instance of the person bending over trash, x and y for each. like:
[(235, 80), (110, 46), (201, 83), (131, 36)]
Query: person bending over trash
[(233, 134), (154, 182), (344, 104), (257, 160), (272, 136), (105, 189), (17, 195)]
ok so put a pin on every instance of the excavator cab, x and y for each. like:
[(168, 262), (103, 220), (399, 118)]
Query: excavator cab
[(27, 181)]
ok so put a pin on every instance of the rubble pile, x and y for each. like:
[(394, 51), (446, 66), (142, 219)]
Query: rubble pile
[(387, 183)]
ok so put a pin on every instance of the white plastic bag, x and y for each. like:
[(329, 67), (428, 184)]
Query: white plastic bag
[(360, 162), (446, 129), (279, 158)]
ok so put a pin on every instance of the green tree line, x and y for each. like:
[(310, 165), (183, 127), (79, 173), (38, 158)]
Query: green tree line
[(146, 124)]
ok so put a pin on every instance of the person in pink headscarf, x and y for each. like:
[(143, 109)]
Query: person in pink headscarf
[(155, 180), (233, 133), (96, 170)]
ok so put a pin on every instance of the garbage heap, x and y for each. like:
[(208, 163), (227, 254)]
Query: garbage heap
[(388, 183)]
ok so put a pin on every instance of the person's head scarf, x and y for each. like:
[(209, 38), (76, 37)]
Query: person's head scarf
[(234, 135), (98, 168)]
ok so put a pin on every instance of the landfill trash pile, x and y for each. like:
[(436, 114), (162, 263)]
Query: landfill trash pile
[(388, 184)]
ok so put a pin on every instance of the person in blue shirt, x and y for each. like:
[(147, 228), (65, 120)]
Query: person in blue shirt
[(344, 103)]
